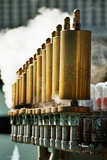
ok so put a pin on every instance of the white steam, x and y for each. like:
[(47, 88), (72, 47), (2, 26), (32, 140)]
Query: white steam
[(60, 101), (15, 155), (17, 45), (99, 61)]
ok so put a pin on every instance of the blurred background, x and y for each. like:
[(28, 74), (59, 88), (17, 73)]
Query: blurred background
[(17, 13)]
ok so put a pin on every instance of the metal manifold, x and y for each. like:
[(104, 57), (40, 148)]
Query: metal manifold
[(73, 132)]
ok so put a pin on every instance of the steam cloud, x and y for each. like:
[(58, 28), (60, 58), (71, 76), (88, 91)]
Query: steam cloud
[(17, 45), (99, 61)]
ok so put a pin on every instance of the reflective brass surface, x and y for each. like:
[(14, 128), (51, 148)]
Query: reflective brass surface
[(67, 23), (76, 20), (56, 62), (24, 87), (31, 80), (48, 110), (17, 88), (44, 74), (75, 63), (14, 95), (38, 110), (27, 86), (33, 111), (48, 40), (58, 29), (17, 91), (78, 109), (23, 110), (20, 87), (54, 109), (48, 71), (52, 35), (39, 79), (10, 113), (34, 80), (38, 51), (43, 110)]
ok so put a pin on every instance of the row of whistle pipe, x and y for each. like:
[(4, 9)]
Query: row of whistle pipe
[(60, 67), (72, 132)]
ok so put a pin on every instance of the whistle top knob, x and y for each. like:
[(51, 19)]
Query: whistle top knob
[(67, 23), (48, 40), (31, 60), (43, 46), (76, 20), (38, 51)]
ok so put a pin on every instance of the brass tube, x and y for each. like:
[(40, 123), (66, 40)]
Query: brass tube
[(17, 87), (34, 78), (75, 62), (49, 67), (56, 61), (20, 87), (43, 72), (39, 76), (12, 96), (27, 83), (31, 80), (24, 85), (17, 91)]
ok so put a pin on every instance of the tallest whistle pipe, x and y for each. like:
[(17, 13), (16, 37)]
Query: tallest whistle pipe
[(75, 60)]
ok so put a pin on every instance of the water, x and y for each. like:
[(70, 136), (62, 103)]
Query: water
[(15, 151)]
